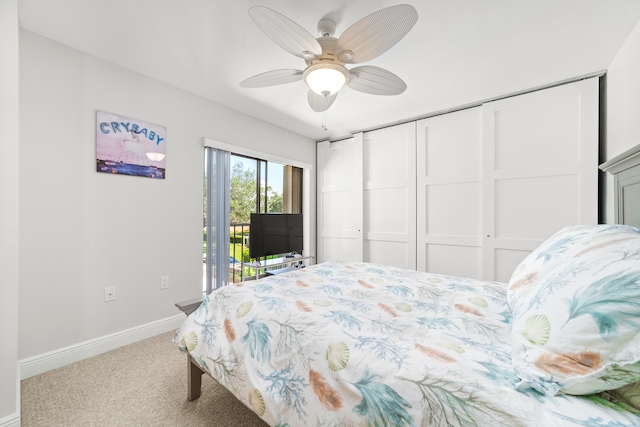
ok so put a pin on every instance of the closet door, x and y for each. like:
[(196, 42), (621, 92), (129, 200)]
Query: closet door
[(540, 170), (340, 200), (449, 198), (389, 168)]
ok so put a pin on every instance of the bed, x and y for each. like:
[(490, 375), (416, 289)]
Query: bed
[(362, 344), (352, 343)]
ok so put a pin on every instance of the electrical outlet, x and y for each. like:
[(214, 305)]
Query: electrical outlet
[(110, 293), (164, 282)]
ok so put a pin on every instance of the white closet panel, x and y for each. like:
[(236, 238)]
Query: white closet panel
[(449, 197), (487, 186), (540, 170), (389, 169), (340, 203)]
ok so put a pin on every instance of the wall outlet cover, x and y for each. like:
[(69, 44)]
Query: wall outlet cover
[(110, 293)]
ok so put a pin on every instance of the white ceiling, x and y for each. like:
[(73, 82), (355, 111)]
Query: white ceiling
[(459, 52)]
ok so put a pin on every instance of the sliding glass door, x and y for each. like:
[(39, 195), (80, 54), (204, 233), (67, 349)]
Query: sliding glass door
[(235, 187)]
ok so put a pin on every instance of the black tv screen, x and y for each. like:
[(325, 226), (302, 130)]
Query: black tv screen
[(274, 234)]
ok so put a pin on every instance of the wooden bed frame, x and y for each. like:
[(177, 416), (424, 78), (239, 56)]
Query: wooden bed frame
[(625, 169)]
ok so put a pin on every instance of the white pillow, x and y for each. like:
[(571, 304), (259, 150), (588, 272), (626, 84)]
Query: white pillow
[(575, 302)]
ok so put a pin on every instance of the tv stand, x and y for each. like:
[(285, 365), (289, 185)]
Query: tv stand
[(275, 264), (280, 270)]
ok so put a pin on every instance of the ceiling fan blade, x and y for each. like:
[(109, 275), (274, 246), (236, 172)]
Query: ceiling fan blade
[(286, 33), (320, 103), (272, 78), (375, 80), (374, 34)]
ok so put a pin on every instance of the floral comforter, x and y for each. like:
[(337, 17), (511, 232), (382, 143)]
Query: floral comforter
[(359, 344)]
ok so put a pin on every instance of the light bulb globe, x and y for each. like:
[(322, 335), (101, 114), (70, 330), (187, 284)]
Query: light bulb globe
[(325, 78)]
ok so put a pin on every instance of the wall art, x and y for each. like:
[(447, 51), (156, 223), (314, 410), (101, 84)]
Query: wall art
[(126, 146)]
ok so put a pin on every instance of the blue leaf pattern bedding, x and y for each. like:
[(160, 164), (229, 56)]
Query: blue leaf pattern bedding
[(360, 344)]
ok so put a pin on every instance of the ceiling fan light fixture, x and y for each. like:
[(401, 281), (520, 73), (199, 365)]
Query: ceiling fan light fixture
[(326, 78)]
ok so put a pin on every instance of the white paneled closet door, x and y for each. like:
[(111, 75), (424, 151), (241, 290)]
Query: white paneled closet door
[(449, 198), (540, 170), (340, 200), (389, 169)]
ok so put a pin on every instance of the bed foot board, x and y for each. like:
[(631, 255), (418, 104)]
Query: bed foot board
[(195, 379)]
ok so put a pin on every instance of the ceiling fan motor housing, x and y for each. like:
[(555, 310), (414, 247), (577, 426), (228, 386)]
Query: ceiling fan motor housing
[(328, 45)]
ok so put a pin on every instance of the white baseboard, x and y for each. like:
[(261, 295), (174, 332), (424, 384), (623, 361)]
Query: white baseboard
[(12, 420), (41, 363)]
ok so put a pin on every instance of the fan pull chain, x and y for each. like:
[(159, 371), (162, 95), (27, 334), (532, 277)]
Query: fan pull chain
[(325, 96)]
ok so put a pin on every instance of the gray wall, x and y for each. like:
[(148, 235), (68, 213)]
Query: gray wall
[(623, 97), (81, 231), (9, 211), (622, 125)]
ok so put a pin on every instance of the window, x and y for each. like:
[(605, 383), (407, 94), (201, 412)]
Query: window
[(235, 186)]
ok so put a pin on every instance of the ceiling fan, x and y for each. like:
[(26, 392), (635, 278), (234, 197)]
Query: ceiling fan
[(326, 57)]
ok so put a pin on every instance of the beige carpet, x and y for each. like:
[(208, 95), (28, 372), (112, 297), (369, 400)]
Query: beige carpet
[(143, 384)]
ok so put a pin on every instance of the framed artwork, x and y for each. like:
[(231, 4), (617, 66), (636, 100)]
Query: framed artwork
[(128, 146)]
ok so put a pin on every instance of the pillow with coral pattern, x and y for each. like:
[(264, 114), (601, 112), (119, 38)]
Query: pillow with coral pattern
[(575, 302)]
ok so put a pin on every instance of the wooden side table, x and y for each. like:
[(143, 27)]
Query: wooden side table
[(189, 306)]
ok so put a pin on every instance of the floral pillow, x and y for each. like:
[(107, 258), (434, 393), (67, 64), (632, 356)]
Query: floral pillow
[(575, 302)]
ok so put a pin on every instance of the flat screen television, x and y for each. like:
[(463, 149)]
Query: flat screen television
[(274, 234)]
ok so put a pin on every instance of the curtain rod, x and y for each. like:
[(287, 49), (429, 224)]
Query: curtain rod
[(469, 105)]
